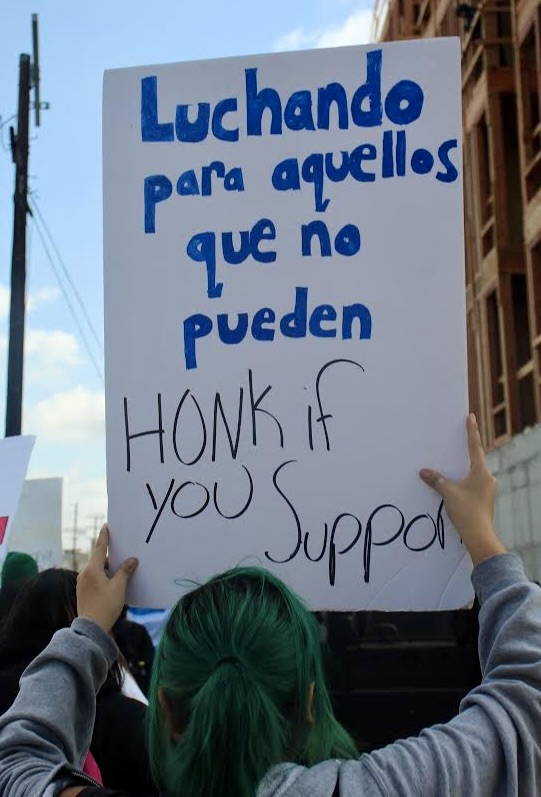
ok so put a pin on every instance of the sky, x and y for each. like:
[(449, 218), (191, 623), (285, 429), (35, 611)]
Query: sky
[(64, 403)]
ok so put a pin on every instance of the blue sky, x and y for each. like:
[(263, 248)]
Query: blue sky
[(64, 394)]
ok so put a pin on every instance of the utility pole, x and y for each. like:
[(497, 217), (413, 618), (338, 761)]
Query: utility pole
[(19, 148), (75, 534), (35, 70), (28, 78)]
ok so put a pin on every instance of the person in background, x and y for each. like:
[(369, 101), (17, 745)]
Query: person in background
[(17, 568), (136, 646), (42, 606), (238, 702)]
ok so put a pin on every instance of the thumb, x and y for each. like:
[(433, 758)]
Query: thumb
[(435, 480), (125, 571)]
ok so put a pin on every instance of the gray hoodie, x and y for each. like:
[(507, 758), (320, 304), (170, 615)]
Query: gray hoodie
[(491, 749)]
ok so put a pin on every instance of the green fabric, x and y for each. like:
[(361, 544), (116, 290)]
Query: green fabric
[(18, 567)]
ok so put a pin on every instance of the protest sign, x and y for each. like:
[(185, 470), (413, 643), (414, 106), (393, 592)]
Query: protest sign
[(285, 322), (37, 528), (14, 458)]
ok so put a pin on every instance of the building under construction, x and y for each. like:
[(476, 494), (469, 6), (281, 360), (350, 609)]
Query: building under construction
[(501, 89), (402, 672)]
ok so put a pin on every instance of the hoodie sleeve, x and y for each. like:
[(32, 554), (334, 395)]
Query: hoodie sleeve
[(48, 729), (492, 748)]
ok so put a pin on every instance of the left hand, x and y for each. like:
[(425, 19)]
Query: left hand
[(101, 598)]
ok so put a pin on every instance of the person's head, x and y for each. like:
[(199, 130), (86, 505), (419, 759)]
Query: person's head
[(18, 568), (42, 606), (238, 686)]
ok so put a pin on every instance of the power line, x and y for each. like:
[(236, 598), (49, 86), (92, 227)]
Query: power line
[(36, 207), (67, 299)]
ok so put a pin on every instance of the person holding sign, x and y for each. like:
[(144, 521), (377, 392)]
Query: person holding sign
[(238, 703)]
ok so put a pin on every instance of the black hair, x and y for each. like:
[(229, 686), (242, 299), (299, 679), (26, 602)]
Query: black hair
[(42, 606)]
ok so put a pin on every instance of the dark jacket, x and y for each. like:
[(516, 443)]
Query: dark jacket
[(118, 739)]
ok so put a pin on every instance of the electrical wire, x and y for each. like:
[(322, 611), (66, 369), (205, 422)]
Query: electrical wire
[(35, 207), (68, 301)]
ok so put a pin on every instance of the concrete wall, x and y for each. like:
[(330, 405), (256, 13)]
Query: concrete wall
[(517, 466)]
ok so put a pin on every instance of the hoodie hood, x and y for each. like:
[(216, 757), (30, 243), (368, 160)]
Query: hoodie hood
[(292, 780), (334, 778)]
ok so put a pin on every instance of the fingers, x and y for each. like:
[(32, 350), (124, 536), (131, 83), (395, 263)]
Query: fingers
[(129, 566), (99, 554), (434, 480), (100, 559), (125, 571), (477, 459), (475, 446)]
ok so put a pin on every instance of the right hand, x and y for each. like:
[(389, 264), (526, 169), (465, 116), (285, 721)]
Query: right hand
[(470, 502)]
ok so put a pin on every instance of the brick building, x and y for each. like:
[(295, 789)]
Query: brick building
[(501, 86)]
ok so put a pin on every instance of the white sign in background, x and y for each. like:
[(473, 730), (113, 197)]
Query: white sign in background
[(300, 453), (37, 528), (14, 458)]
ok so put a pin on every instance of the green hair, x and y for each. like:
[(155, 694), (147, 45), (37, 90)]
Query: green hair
[(235, 664)]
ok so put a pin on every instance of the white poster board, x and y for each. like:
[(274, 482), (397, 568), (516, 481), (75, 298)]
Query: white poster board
[(285, 322), (37, 528), (14, 458)]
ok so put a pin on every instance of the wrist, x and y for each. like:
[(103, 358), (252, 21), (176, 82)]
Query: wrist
[(88, 627), (92, 617), (480, 538), (484, 547)]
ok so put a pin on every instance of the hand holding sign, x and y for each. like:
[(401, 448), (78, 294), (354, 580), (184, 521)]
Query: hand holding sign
[(101, 598), (470, 502)]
